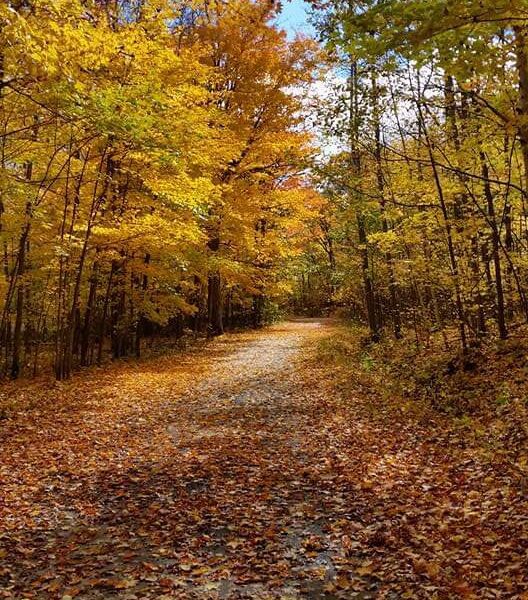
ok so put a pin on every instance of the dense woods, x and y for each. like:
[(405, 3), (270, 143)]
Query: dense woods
[(159, 173), (425, 225), (151, 173)]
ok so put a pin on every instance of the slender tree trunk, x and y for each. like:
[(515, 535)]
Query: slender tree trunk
[(495, 244), (449, 234), (370, 299), (141, 321), (102, 324), (20, 272), (393, 293), (88, 314), (521, 52), (214, 296), (72, 336), (355, 167)]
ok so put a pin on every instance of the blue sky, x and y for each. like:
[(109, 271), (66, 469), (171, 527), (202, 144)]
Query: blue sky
[(294, 17)]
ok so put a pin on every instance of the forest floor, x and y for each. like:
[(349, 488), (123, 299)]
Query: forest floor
[(255, 467)]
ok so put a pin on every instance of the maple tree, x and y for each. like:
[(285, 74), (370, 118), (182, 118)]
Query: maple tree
[(149, 151)]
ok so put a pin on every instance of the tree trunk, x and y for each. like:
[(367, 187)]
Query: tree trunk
[(258, 306), (214, 305), (141, 321), (90, 305), (17, 334), (214, 296), (495, 245), (521, 39), (370, 300)]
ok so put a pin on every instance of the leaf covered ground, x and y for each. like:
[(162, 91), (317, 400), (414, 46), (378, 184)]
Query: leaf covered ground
[(258, 467)]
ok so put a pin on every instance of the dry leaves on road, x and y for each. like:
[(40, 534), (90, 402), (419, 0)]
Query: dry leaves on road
[(240, 472)]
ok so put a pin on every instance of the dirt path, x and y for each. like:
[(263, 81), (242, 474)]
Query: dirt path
[(244, 470), (201, 480)]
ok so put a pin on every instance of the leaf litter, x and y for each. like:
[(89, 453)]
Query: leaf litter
[(242, 471)]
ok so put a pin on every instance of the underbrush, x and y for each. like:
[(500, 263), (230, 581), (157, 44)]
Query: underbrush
[(479, 400)]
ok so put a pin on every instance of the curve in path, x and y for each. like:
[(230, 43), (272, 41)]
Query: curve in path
[(205, 480)]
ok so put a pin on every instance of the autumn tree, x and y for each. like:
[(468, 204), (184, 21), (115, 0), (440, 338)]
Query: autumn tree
[(148, 153), (442, 150), (257, 89)]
